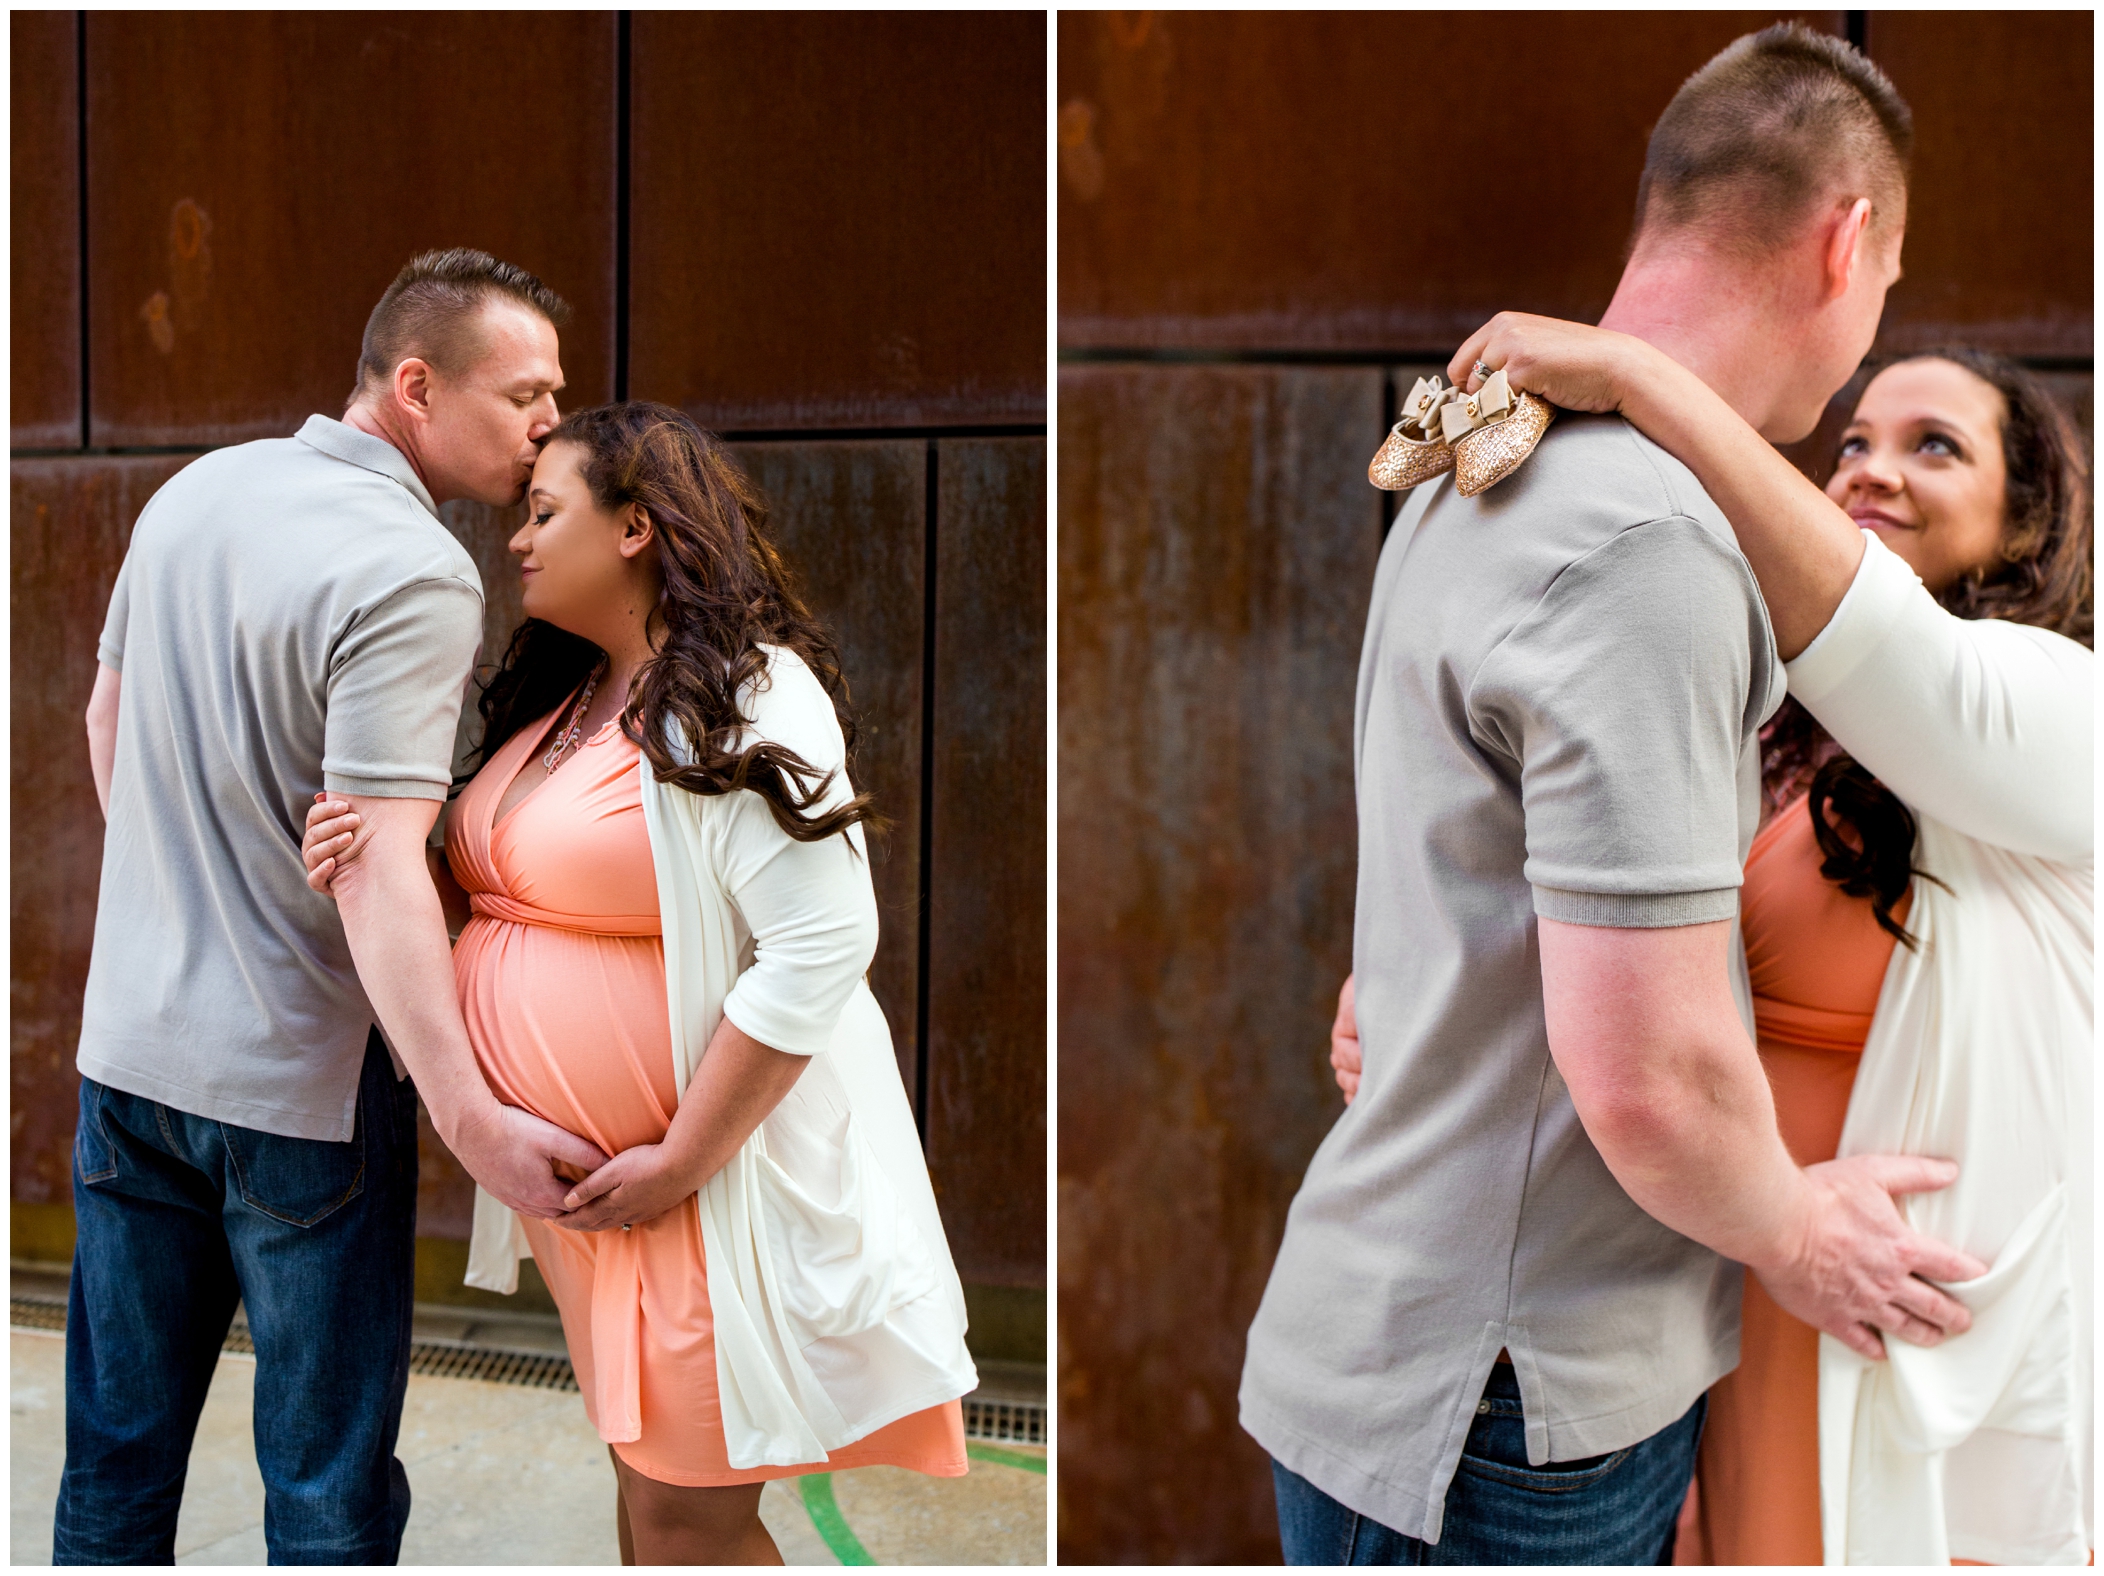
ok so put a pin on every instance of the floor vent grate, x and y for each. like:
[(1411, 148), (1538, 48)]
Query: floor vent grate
[(989, 1421), (36, 1313), (1004, 1422), (541, 1370)]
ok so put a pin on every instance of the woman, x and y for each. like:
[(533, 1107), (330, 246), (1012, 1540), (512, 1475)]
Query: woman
[(671, 914), (1917, 914)]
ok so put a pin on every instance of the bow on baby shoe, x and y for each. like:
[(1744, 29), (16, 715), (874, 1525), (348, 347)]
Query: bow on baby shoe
[(1416, 450), (1464, 413), (1491, 431), (1428, 398)]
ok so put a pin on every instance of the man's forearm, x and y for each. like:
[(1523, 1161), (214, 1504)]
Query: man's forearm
[(1694, 1143), (397, 931)]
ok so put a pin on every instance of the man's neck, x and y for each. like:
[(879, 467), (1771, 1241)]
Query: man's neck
[(1715, 319), (375, 422)]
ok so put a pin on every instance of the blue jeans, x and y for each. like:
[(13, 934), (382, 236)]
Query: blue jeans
[(179, 1218), (1616, 1509)]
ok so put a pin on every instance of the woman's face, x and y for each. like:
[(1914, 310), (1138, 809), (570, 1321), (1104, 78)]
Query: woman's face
[(1921, 465), (579, 561)]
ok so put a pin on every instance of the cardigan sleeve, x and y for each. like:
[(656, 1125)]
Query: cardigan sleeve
[(1981, 724), (810, 907)]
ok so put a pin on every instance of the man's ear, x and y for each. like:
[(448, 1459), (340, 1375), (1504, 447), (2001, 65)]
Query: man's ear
[(638, 531), (1847, 248), (412, 387)]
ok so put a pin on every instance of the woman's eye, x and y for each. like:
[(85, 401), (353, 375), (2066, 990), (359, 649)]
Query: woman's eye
[(1853, 448), (1936, 443), (544, 517)]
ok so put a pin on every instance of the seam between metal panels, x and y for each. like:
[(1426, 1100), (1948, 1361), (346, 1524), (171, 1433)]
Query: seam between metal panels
[(623, 114), (926, 878), (80, 159)]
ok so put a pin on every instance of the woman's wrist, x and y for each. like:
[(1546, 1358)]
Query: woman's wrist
[(1651, 388)]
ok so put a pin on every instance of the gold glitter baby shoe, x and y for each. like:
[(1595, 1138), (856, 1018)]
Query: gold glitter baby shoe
[(1416, 450), (1491, 432)]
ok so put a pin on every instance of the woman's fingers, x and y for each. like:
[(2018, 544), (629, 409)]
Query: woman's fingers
[(600, 1182), (318, 876), (1463, 365), (323, 831), (325, 807)]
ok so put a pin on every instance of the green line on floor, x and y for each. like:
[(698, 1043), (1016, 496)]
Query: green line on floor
[(996, 1456), (825, 1515)]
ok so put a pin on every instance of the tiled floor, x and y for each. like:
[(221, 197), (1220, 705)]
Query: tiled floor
[(508, 1475)]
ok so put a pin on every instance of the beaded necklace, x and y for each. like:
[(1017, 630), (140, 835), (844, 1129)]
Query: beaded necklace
[(572, 734)]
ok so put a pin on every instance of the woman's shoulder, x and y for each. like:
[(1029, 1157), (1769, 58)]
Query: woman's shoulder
[(786, 704)]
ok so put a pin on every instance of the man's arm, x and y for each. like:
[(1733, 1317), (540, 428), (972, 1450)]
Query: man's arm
[(102, 731), (397, 933), (1644, 1030)]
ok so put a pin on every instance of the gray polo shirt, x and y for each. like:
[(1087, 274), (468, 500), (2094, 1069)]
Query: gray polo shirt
[(290, 615), (1558, 707)]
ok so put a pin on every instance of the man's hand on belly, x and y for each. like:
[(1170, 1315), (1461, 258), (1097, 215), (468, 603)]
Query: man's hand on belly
[(1643, 1027)]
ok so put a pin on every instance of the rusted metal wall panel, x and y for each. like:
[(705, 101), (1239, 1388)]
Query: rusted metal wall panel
[(1354, 180), (986, 944), (851, 518), (44, 309), (69, 522), (255, 179), (1217, 540), (2001, 216), (839, 219)]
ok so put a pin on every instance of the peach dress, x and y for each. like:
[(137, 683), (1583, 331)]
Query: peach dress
[(561, 973), (1817, 961)]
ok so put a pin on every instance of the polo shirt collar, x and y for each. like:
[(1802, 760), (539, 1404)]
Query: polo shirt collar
[(341, 441)]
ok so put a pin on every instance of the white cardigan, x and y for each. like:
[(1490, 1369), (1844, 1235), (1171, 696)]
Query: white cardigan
[(836, 1306), (1980, 1051)]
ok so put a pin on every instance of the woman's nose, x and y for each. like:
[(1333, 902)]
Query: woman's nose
[(1876, 472)]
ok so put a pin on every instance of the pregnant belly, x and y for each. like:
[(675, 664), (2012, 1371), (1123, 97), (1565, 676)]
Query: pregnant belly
[(571, 1027)]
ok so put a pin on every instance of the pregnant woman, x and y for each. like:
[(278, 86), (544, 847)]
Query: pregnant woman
[(1919, 928), (669, 916)]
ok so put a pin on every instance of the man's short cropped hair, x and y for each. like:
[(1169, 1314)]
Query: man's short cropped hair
[(1778, 123), (431, 311)]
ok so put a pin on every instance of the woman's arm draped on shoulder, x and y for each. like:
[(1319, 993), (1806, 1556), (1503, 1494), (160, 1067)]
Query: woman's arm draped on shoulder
[(1981, 724), (1802, 546)]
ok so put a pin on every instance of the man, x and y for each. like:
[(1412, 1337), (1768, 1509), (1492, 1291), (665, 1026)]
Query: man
[(291, 615), (1509, 1276)]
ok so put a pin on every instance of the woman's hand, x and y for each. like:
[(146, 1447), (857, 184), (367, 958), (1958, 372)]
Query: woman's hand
[(330, 825), (1568, 364), (634, 1187), (1344, 1042)]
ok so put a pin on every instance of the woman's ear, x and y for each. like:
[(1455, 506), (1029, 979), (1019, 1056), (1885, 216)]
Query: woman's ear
[(637, 530)]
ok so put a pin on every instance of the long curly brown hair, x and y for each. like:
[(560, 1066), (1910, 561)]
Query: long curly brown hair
[(2041, 576), (726, 593)]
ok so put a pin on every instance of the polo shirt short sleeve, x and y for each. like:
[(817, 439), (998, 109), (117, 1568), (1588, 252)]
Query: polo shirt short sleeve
[(1630, 821), (394, 696)]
